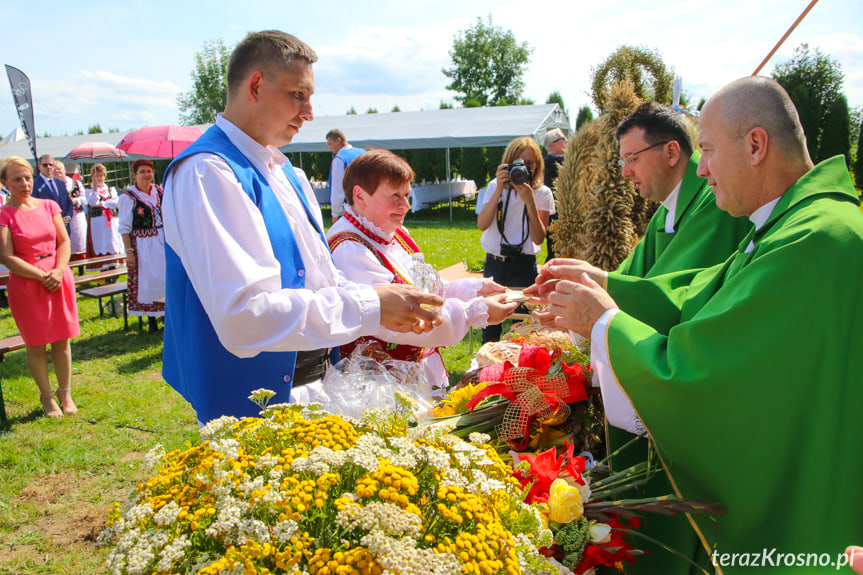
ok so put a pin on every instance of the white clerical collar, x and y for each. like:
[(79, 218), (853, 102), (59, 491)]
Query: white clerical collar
[(269, 156), (670, 204), (759, 218)]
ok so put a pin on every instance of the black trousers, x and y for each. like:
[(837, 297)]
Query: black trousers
[(515, 272)]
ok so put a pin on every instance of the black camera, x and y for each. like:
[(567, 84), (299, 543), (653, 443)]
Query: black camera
[(509, 251), (519, 173)]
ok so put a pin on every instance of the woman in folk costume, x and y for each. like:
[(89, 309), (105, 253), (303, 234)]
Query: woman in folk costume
[(371, 246), (104, 228), (140, 209)]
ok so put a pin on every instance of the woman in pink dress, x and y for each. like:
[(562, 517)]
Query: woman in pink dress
[(35, 247)]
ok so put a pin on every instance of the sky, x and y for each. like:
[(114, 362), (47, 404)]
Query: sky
[(122, 64)]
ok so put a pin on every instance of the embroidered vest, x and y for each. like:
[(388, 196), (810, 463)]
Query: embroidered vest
[(195, 363), (144, 215)]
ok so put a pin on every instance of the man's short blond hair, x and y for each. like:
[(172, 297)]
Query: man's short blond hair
[(268, 51)]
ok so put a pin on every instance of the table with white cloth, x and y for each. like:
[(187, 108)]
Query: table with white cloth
[(322, 193), (427, 195)]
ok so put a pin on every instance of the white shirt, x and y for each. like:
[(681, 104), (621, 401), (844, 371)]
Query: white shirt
[(337, 192), (219, 235), (670, 204), (618, 408), (515, 227)]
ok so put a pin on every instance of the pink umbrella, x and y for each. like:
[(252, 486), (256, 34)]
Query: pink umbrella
[(159, 141), (95, 151)]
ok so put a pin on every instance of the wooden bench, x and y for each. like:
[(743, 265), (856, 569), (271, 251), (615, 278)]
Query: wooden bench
[(110, 290), (100, 276), (83, 263), (7, 345)]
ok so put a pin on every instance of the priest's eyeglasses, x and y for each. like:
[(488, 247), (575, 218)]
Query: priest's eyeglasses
[(628, 159)]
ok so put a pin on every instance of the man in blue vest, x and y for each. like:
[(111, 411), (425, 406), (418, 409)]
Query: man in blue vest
[(344, 155), (47, 187), (253, 298)]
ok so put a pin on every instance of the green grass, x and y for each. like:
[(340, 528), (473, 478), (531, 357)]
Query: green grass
[(58, 478)]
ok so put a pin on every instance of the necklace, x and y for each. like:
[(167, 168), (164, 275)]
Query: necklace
[(364, 230)]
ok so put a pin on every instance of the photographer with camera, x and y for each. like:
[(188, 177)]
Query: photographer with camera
[(514, 219)]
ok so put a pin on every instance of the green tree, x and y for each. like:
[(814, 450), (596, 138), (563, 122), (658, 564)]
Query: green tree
[(94, 129), (445, 105), (813, 81), (209, 85), (351, 112), (487, 65), (585, 115), (372, 111), (836, 134), (396, 108)]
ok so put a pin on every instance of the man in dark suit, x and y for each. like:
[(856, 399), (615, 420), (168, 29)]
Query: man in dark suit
[(47, 187)]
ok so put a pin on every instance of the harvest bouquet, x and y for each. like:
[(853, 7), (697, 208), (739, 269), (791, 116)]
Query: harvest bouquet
[(532, 391), (300, 490)]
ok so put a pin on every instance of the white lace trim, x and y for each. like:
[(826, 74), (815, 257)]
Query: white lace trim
[(368, 225), (477, 312)]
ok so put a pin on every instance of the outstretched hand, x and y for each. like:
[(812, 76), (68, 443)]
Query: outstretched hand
[(490, 287), (574, 305), (401, 311), (499, 309)]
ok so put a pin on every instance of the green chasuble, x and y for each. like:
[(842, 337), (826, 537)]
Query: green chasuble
[(749, 377), (704, 236)]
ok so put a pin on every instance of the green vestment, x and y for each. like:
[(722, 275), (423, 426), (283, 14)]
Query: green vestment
[(704, 236), (749, 377)]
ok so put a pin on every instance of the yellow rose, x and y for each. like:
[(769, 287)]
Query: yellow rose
[(564, 502)]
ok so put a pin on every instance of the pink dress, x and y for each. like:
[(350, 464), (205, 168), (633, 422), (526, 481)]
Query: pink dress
[(42, 317)]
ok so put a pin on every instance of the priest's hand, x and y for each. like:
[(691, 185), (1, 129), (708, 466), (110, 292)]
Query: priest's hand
[(575, 305), (570, 269), (401, 311)]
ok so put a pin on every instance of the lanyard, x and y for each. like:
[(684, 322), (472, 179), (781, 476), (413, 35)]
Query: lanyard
[(502, 209)]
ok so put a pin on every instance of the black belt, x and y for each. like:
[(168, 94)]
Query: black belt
[(311, 366), (519, 257), (43, 256)]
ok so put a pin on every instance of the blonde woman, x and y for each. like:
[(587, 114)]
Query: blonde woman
[(34, 246), (78, 224), (514, 219)]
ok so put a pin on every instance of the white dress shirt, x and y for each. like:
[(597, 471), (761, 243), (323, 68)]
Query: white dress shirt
[(337, 192), (219, 235), (670, 204)]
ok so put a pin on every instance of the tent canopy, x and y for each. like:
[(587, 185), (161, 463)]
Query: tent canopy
[(454, 128)]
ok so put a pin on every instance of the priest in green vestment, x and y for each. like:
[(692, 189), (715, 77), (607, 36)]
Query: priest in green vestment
[(687, 232), (748, 375)]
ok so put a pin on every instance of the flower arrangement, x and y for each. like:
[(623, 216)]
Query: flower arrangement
[(302, 491), (544, 399)]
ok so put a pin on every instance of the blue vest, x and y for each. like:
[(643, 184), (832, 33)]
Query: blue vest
[(347, 155), (194, 362)]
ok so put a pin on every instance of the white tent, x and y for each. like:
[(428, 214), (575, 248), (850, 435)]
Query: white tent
[(455, 128), (14, 136)]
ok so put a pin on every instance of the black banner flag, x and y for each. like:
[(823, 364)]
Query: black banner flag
[(20, 84)]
